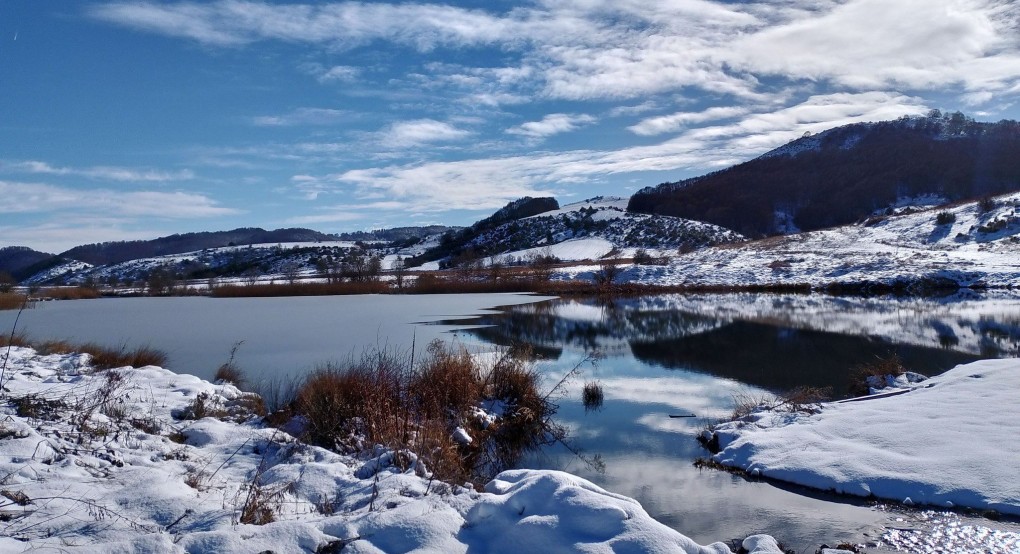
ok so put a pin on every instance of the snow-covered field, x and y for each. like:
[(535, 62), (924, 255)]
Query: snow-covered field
[(976, 248), (98, 462), (948, 441)]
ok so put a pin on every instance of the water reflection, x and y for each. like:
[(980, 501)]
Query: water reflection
[(773, 341), (680, 355)]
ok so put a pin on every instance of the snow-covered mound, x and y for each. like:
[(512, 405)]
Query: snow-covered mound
[(966, 245), (950, 441), (593, 228), (110, 462)]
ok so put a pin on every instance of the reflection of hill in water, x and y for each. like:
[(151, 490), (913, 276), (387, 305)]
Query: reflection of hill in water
[(783, 358), (551, 327), (767, 345)]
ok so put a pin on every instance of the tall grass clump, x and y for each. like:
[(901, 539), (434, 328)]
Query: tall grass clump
[(456, 418), (13, 301)]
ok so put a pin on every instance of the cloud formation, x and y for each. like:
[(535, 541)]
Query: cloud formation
[(22, 197), (405, 134), (104, 173), (601, 49), (551, 124)]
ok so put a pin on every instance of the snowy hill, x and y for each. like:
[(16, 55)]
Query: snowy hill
[(974, 244), (841, 175), (592, 229)]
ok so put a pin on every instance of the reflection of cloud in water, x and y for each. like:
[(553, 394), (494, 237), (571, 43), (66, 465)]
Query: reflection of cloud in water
[(704, 396), (576, 311), (709, 505)]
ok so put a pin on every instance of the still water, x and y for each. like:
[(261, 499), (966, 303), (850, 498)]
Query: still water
[(660, 356), (694, 355)]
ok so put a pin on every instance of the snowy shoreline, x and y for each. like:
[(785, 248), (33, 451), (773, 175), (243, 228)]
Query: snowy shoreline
[(950, 441), (96, 461)]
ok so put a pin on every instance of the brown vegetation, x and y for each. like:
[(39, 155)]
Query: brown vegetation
[(13, 301), (414, 409), (69, 293), (102, 357)]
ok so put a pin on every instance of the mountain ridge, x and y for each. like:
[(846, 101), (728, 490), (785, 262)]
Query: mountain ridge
[(845, 174)]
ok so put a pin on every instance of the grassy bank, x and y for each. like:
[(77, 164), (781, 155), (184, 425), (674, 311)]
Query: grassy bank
[(431, 284), (103, 357)]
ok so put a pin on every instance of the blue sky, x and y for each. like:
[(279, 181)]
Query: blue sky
[(125, 120)]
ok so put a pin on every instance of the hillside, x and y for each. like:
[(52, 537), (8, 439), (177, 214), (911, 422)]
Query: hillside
[(21, 261), (583, 230), (398, 234), (122, 251), (972, 244), (846, 174), (455, 243)]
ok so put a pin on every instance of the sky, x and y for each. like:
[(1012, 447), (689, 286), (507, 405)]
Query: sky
[(132, 120)]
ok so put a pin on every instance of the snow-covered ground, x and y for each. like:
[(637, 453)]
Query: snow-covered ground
[(948, 441), (976, 248), (98, 462)]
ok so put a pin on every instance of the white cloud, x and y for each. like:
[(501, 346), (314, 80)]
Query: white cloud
[(103, 173), (340, 73), (302, 116), (490, 183), (551, 124), (44, 198), (420, 131), (595, 49), (679, 120)]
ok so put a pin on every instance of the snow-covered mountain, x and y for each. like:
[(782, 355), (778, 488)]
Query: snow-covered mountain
[(974, 244), (843, 174)]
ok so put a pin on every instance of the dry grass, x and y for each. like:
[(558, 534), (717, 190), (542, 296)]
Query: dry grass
[(229, 372), (299, 289), (103, 357), (13, 301), (14, 339), (380, 399), (69, 293)]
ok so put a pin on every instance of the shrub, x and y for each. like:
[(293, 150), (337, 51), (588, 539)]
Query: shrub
[(343, 402), (861, 375), (377, 399), (986, 204), (945, 218)]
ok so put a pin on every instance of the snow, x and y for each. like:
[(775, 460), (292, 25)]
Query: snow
[(569, 250), (601, 203), (950, 441), (898, 248), (96, 462)]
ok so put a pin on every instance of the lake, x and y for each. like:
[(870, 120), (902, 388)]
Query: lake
[(681, 355)]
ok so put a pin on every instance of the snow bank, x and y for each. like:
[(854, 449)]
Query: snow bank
[(96, 462), (952, 441)]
